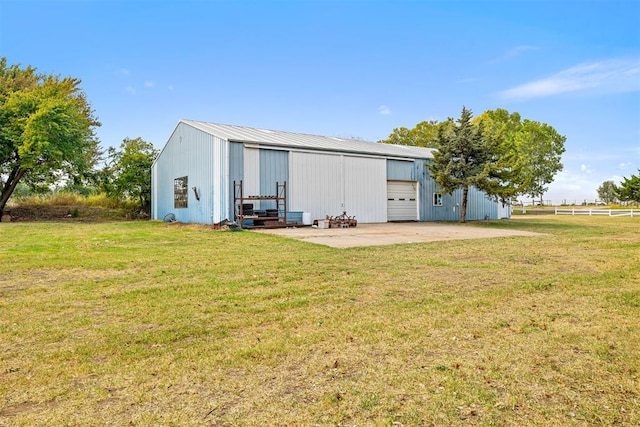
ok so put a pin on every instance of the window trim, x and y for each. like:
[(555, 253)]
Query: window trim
[(181, 192), (437, 199)]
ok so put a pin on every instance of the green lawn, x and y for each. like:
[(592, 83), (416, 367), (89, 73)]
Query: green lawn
[(147, 323)]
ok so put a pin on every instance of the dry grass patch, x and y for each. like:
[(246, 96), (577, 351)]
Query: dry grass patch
[(155, 324)]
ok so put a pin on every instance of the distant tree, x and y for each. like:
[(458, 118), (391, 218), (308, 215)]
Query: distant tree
[(629, 189), (462, 158), (46, 129), (607, 192), (424, 134), (128, 172), (528, 154)]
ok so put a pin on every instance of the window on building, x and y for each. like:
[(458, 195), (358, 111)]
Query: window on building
[(437, 199), (180, 192)]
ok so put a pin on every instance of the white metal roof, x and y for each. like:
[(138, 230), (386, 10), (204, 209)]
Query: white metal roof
[(309, 142)]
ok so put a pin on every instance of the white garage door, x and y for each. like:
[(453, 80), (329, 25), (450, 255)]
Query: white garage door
[(402, 201)]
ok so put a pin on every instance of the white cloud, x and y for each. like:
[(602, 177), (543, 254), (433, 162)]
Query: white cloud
[(384, 110), (625, 165), (572, 187), (131, 90), (568, 181), (170, 87), (585, 168), (608, 76), (123, 71), (149, 84)]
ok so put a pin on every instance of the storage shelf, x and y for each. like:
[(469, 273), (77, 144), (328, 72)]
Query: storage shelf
[(280, 200)]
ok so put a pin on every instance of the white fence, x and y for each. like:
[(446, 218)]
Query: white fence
[(591, 212)]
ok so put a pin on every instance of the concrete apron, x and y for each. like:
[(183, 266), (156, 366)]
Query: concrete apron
[(392, 233)]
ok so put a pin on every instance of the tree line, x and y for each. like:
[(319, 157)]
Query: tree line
[(47, 136)]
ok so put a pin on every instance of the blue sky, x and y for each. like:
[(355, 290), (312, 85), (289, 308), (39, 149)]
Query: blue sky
[(349, 68)]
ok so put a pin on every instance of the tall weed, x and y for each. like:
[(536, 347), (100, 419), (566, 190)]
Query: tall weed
[(64, 198)]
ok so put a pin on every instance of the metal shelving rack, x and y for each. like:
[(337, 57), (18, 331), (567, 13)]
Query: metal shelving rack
[(280, 199)]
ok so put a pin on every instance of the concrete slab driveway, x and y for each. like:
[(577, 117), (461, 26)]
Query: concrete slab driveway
[(392, 233)]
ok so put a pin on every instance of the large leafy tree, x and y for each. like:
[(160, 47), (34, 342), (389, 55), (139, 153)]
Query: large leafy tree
[(540, 149), (462, 159), (499, 129), (46, 129), (424, 134), (528, 154), (629, 189), (607, 192), (128, 173)]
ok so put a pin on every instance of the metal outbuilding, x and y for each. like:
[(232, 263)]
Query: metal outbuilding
[(196, 176)]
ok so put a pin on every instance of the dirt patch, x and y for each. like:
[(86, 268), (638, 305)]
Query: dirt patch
[(392, 233)]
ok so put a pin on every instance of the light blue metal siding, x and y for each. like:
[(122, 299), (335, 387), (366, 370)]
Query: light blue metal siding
[(429, 212), (236, 171), (274, 167), (398, 170), (200, 157), (479, 206)]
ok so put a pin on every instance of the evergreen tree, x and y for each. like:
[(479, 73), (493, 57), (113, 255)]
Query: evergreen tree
[(629, 189), (463, 158)]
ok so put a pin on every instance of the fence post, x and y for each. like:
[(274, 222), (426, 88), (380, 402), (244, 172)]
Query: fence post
[(573, 211)]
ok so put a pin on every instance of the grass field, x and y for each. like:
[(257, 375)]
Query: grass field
[(147, 323)]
